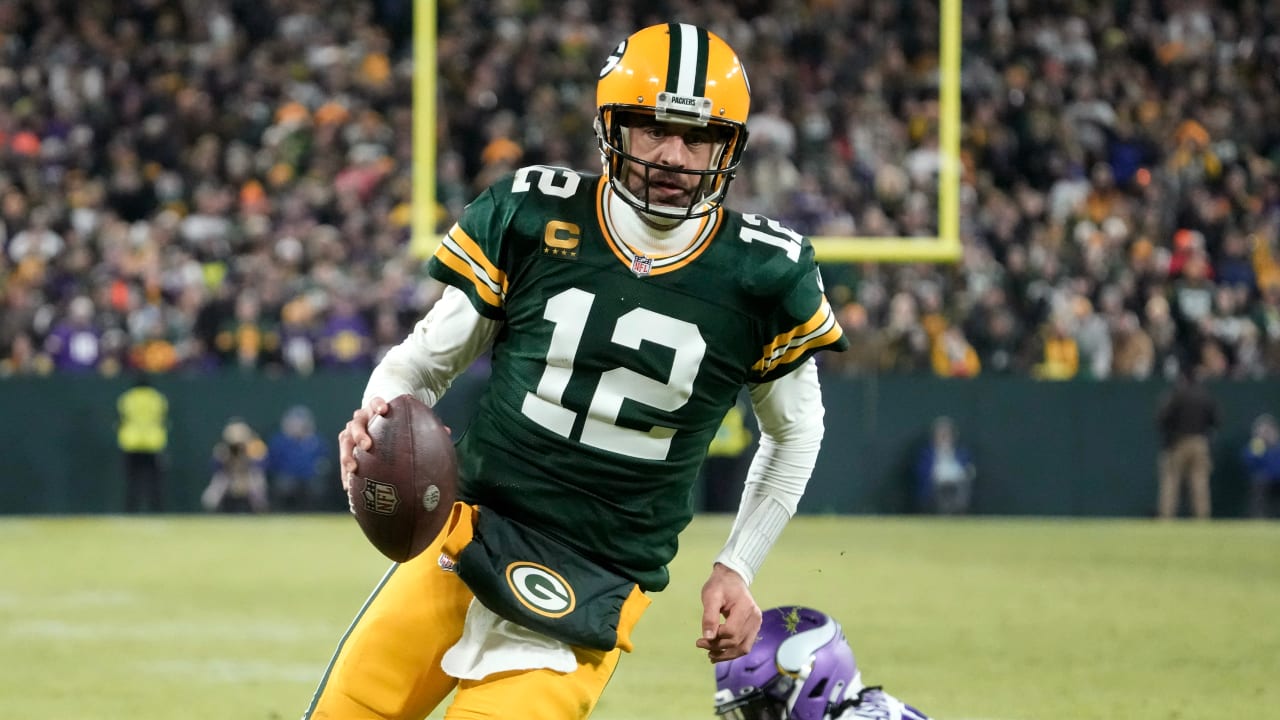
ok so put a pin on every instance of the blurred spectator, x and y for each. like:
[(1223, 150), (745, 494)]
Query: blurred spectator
[(76, 342), (997, 343), (945, 472), (953, 356), (248, 340), (1169, 360), (1266, 315), (345, 342), (1059, 352), (297, 463), (1133, 353), (1187, 417), (298, 335), (1093, 338), (905, 342), (160, 159), (24, 359), (239, 481), (1261, 457), (143, 434), (864, 353)]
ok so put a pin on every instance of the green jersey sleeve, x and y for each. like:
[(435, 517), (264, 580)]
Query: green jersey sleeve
[(802, 321), (476, 255)]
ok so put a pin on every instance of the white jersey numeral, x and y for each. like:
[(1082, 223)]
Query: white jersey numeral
[(772, 232), (568, 310), (547, 178)]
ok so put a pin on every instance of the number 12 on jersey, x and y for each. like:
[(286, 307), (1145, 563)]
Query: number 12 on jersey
[(568, 311), (771, 232)]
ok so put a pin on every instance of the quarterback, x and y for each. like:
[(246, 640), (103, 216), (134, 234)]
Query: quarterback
[(623, 311), (801, 668)]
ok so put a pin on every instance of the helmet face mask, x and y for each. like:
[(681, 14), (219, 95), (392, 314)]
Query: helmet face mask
[(800, 668), (766, 703), (680, 77)]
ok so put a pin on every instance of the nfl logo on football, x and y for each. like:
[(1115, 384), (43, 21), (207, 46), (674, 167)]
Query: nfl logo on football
[(640, 265), (380, 498)]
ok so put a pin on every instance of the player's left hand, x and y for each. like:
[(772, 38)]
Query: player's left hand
[(725, 594)]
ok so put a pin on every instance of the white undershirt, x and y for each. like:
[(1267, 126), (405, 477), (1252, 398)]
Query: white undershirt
[(643, 237)]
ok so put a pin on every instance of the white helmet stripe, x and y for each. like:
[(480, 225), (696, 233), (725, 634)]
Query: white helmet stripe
[(688, 60)]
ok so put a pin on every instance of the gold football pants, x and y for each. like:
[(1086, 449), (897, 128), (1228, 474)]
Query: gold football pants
[(387, 666)]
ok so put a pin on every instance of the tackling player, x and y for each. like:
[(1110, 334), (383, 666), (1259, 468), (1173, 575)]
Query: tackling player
[(801, 668), (624, 312)]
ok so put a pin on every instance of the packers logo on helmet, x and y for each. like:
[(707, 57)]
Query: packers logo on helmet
[(673, 73)]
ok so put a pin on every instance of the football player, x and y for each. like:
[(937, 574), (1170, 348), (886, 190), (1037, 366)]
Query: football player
[(624, 312), (801, 668)]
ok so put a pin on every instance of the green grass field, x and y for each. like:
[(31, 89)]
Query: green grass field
[(153, 619)]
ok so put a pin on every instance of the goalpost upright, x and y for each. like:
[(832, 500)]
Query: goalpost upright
[(944, 247)]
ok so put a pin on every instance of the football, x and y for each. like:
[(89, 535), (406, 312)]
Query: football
[(405, 485)]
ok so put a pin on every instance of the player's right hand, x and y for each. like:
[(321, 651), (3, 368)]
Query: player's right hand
[(356, 433), (726, 595)]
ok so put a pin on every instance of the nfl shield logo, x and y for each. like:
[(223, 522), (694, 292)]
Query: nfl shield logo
[(380, 497), (640, 265)]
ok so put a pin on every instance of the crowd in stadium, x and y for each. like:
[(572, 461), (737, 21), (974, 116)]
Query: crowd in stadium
[(227, 184)]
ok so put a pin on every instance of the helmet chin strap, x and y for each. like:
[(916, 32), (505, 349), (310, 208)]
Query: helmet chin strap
[(645, 233), (659, 221)]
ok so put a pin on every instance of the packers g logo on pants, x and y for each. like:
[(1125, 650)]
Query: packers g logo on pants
[(540, 589)]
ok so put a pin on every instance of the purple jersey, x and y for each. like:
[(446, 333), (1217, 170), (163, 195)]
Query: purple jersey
[(876, 704), (346, 342), (74, 348)]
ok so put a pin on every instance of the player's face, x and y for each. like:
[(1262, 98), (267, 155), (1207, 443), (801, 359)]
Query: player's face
[(667, 145)]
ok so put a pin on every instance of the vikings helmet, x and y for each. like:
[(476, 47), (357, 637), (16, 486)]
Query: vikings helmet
[(673, 73), (800, 668)]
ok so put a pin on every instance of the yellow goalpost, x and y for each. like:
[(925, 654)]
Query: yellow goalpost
[(424, 238), (945, 247)]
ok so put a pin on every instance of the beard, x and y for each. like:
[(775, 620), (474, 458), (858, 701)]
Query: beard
[(660, 187)]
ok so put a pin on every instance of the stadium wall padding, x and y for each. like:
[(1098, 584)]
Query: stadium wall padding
[(1080, 448)]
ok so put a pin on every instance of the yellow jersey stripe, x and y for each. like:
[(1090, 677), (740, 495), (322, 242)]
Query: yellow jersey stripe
[(830, 335), (464, 256), (819, 330), (604, 223), (781, 341), (469, 249)]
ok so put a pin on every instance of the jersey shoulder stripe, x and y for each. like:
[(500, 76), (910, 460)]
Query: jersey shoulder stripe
[(464, 256), (819, 331), (504, 227)]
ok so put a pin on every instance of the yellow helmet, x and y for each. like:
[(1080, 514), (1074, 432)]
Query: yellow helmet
[(673, 73)]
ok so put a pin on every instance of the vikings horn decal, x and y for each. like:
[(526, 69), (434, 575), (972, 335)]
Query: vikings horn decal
[(795, 652)]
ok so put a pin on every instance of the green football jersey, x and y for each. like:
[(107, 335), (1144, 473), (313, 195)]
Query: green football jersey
[(613, 370)]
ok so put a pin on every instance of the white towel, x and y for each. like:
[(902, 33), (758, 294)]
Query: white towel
[(491, 645)]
